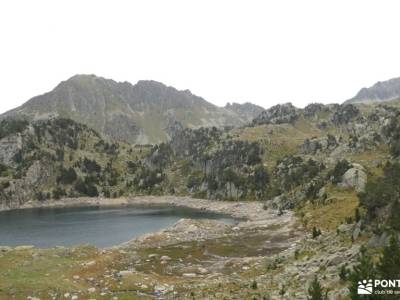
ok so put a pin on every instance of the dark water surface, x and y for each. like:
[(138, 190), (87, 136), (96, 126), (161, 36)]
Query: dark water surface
[(102, 227)]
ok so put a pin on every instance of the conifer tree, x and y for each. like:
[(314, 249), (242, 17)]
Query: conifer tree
[(388, 266), (364, 270), (316, 292)]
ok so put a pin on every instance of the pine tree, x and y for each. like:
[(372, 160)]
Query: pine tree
[(388, 266), (316, 292), (316, 232), (357, 215), (364, 270), (343, 273), (254, 285)]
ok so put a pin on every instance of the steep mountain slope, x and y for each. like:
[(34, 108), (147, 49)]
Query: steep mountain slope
[(59, 158), (137, 113), (380, 91)]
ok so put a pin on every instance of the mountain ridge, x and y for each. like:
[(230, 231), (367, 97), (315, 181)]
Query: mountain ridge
[(138, 113), (379, 92)]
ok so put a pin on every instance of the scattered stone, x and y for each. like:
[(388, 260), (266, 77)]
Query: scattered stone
[(5, 249), (202, 270), (88, 264), (335, 260), (125, 273), (160, 289), (22, 248)]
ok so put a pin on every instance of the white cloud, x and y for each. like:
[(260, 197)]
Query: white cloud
[(265, 52)]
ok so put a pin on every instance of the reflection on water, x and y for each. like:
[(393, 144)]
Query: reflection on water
[(102, 227)]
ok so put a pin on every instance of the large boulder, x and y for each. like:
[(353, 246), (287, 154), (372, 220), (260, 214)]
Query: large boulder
[(355, 177), (280, 202)]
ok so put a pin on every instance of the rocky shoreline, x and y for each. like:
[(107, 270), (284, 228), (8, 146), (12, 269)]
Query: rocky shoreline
[(240, 210), (251, 216)]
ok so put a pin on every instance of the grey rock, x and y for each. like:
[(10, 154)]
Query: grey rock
[(354, 178), (9, 146), (357, 230), (322, 193), (125, 273), (378, 241), (335, 259), (314, 145)]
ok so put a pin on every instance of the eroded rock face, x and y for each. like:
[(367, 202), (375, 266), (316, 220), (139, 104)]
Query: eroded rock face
[(314, 145), (123, 128), (355, 177), (278, 114), (24, 190), (344, 114), (9, 147)]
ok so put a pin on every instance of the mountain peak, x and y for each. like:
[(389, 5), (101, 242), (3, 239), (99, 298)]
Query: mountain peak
[(150, 83), (380, 91)]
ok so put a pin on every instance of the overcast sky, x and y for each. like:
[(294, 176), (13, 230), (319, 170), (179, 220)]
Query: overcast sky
[(265, 52)]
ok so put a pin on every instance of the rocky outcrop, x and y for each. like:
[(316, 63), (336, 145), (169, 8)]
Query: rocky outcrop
[(344, 114), (292, 171), (313, 109), (314, 145), (278, 114), (23, 190), (9, 147)]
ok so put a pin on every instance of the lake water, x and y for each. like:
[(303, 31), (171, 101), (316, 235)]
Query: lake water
[(102, 227)]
